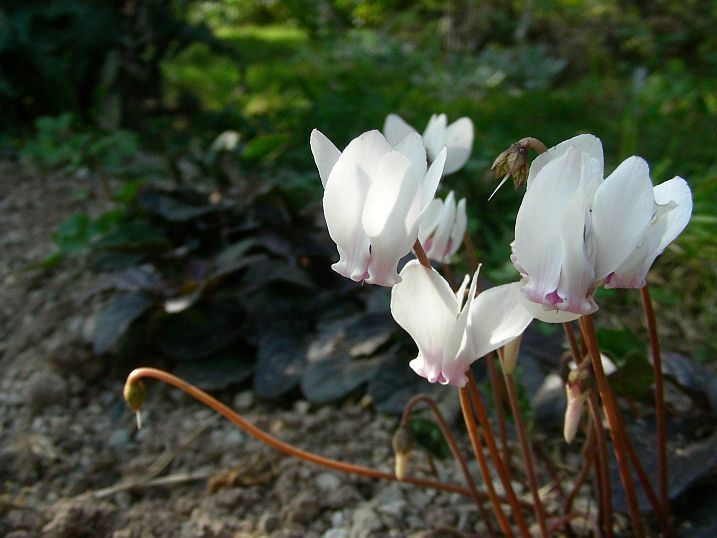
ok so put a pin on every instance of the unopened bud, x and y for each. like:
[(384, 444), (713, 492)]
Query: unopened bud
[(577, 390), (134, 396), (402, 447), (510, 355)]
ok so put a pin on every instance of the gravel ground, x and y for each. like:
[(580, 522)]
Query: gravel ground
[(73, 464)]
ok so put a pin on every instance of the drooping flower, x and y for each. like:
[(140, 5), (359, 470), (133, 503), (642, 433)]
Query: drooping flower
[(450, 333), (374, 194), (575, 229), (442, 227), (457, 138)]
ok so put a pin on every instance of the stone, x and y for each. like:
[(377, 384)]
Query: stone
[(45, 389)]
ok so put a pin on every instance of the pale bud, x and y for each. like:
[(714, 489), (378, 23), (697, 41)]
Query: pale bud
[(577, 390), (402, 447), (510, 355)]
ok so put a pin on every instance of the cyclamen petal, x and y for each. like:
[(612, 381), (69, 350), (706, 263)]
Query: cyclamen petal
[(373, 200), (442, 228), (456, 137), (576, 231), (672, 212), (449, 336)]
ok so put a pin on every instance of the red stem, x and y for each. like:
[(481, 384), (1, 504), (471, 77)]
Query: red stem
[(281, 446), (618, 440), (482, 416), (457, 455), (659, 398)]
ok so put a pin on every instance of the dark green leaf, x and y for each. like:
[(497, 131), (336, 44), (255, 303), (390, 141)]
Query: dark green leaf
[(394, 384), (634, 377), (428, 435), (134, 236), (226, 368), (113, 321), (280, 360), (335, 376), (200, 331)]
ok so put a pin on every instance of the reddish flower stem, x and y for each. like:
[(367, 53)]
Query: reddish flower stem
[(618, 439), (602, 471), (602, 467), (497, 390), (281, 446), (482, 464), (457, 454), (659, 398), (588, 456), (527, 453), (500, 468), (421, 254)]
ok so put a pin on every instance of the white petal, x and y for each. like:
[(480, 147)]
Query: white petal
[(459, 351), (430, 218), (585, 143), (540, 312), (395, 129), (678, 192), (459, 141), (498, 316), (434, 137), (459, 228), (344, 198), (432, 178), (412, 147), (576, 274), (390, 217), (537, 249), (673, 208), (621, 211), (325, 154), (424, 305), (441, 236)]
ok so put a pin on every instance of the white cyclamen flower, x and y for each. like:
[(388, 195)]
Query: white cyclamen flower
[(374, 194), (575, 229), (457, 138), (449, 333), (442, 227)]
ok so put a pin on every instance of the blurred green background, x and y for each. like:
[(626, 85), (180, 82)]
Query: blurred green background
[(136, 92)]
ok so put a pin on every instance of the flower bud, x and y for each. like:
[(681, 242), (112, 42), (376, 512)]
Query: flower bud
[(134, 396), (402, 447), (510, 355), (577, 390)]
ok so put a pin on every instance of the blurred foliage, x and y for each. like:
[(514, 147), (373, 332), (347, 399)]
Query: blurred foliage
[(99, 60), (227, 92)]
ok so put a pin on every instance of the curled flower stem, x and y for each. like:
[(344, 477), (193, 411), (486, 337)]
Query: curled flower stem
[(659, 398), (482, 464), (500, 468), (619, 440), (281, 446), (527, 453), (457, 455)]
